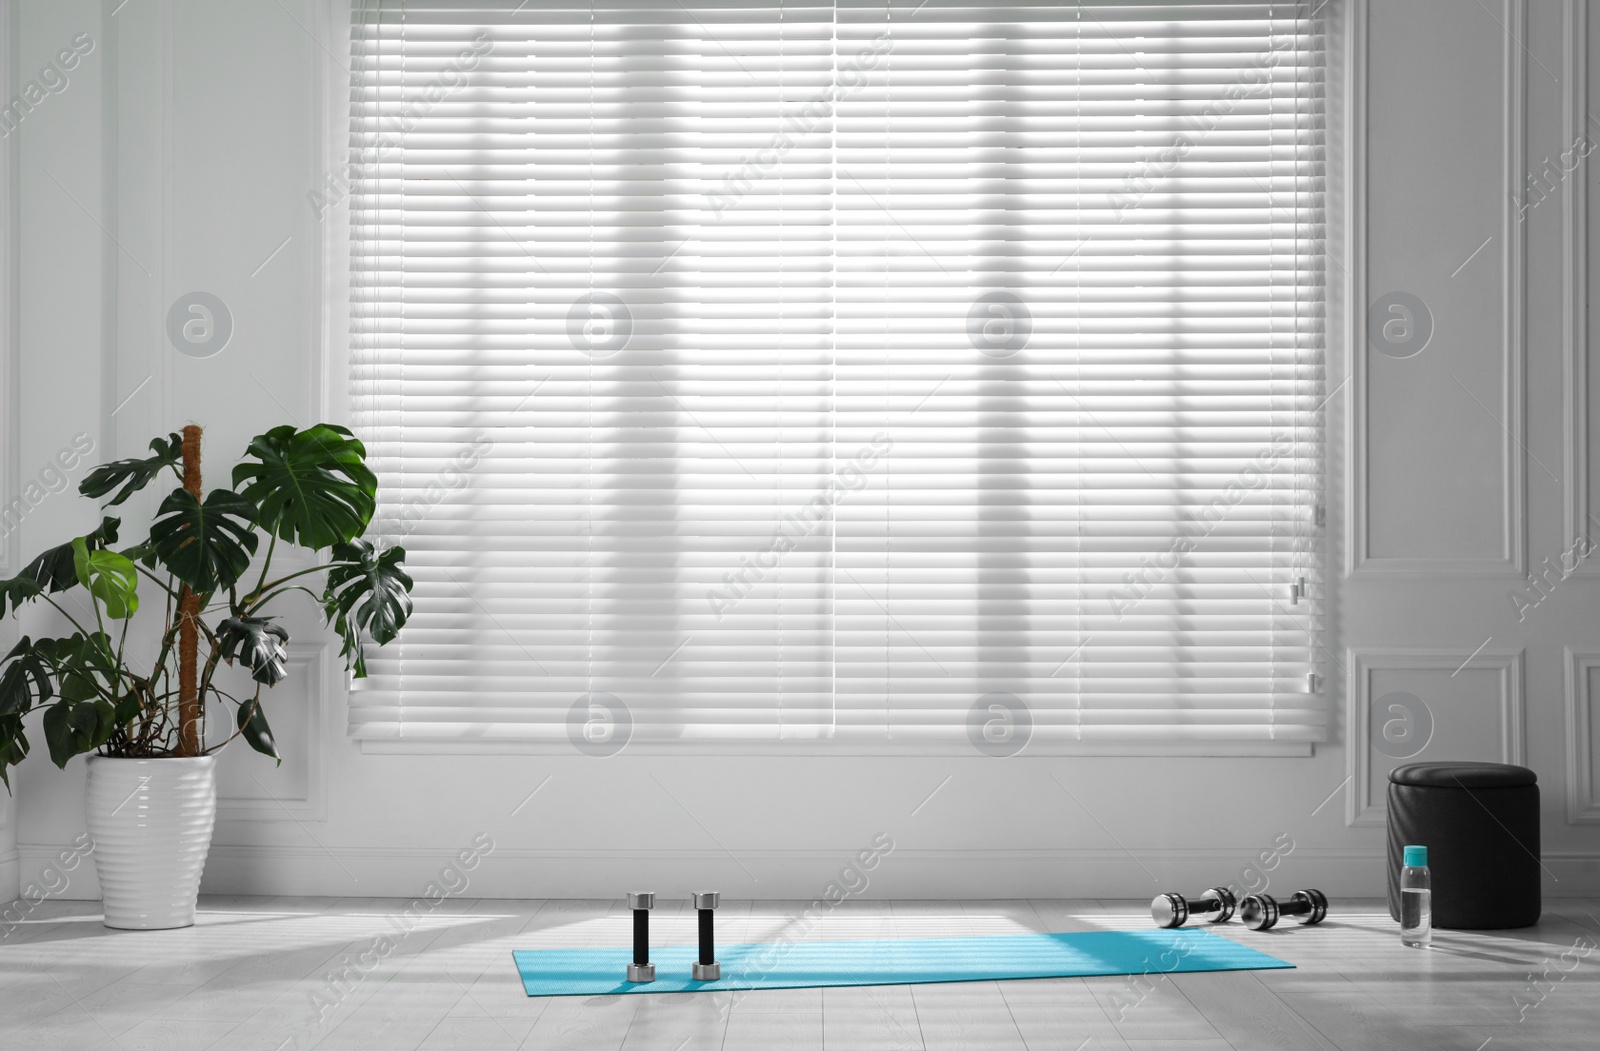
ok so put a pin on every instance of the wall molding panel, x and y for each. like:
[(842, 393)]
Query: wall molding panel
[(1575, 124), (10, 414), (1355, 239), (137, 359), (1513, 510), (1362, 806), (1514, 268), (305, 798), (1583, 794)]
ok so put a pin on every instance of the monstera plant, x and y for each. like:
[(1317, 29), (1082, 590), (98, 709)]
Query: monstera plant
[(205, 567), (308, 488)]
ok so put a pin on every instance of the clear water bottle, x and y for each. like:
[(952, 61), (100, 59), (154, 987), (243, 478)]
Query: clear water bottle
[(1416, 899)]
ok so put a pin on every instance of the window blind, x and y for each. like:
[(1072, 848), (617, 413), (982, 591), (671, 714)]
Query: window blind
[(940, 373)]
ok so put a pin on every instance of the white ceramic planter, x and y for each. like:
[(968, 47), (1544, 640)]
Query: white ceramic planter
[(151, 822)]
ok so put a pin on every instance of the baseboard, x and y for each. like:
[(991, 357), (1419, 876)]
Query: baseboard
[(10, 876), (902, 873), (1572, 874)]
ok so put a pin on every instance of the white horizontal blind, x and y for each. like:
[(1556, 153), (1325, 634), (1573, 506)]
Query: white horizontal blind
[(1079, 282), (781, 371)]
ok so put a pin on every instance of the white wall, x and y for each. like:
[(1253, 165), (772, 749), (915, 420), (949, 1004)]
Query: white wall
[(189, 140), (9, 862)]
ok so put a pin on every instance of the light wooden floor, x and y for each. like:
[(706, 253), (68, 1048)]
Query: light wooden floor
[(245, 977)]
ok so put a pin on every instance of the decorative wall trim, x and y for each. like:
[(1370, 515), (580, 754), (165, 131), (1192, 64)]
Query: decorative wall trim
[(165, 363), (330, 344), (796, 875), (1514, 288), (906, 873), (1360, 807), (10, 475), (1575, 280), (1355, 239), (1583, 794), (137, 115), (1513, 558), (309, 664)]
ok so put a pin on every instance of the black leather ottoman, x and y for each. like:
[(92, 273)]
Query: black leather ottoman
[(1480, 823)]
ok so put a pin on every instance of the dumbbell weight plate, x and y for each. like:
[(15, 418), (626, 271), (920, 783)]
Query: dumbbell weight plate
[(1225, 904), (1169, 910), (1313, 902), (1259, 912)]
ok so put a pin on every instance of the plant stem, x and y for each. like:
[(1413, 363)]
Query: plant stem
[(210, 669), (266, 563), (122, 641), (167, 631), (253, 601), (58, 671), (94, 604), (252, 702), (284, 591)]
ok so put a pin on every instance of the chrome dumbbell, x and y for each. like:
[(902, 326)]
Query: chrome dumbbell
[(706, 968), (1261, 911), (1174, 910), (641, 969)]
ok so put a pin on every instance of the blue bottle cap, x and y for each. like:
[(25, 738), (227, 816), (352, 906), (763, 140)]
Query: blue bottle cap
[(1416, 857)]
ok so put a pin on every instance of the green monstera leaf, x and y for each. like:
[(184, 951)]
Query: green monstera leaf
[(133, 475), (207, 546), (83, 717), (13, 746), (110, 578), (368, 592), (83, 664), (56, 569), (253, 725), (74, 669), (309, 487), (128, 708), (143, 553), (258, 644), (16, 591), (28, 679), (74, 727)]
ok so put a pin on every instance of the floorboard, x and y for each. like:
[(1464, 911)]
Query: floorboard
[(343, 974)]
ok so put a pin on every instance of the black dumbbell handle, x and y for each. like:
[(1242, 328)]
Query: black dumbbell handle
[(708, 952), (1204, 904), (641, 936), (1308, 903)]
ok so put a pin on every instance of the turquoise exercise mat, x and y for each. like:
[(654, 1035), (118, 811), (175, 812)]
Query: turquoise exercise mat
[(894, 961)]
